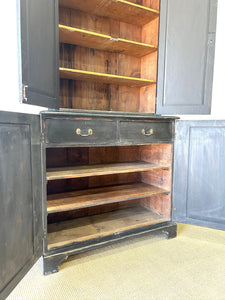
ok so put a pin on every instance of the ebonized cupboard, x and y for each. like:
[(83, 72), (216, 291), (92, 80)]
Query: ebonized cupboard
[(107, 177), (103, 158), (104, 166)]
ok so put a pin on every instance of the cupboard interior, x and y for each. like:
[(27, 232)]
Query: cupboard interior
[(93, 192), (108, 54)]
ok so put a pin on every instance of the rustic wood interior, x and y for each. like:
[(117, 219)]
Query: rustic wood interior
[(93, 227), (88, 184), (99, 169), (108, 61), (108, 54)]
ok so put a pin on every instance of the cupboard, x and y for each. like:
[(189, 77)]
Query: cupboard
[(106, 177), (99, 163)]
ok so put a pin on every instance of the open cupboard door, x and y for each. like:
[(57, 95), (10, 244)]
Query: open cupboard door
[(199, 190), (38, 51), (21, 230), (186, 56)]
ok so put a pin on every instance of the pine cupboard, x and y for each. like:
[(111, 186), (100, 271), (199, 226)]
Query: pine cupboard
[(97, 167)]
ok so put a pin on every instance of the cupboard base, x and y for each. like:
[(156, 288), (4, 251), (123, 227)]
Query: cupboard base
[(50, 262)]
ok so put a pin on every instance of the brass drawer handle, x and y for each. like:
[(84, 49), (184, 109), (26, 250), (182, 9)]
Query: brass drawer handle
[(147, 132), (78, 132)]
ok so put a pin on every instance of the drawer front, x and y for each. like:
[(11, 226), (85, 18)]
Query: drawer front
[(145, 132), (67, 131)]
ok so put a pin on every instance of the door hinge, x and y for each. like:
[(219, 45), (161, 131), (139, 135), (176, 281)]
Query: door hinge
[(24, 93), (42, 138)]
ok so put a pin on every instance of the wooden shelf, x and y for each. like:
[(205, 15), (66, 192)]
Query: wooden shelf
[(99, 226), (120, 10), (103, 78), (99, 196), (104, 42), (100, 169)]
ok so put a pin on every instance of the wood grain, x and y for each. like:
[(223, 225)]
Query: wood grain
[(161, 204), (151, 3), (75, 74), (61, 157), (99, 169), (157, 153), (90, 211), (104, 45), (92, 227), (120, 10), (99, 196), (95, 40)]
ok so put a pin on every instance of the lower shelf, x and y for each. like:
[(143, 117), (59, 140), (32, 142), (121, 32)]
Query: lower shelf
[(97, 226), (100, 196)]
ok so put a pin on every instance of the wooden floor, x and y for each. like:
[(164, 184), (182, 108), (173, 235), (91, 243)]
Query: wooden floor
[(91, 227), (99, 196)]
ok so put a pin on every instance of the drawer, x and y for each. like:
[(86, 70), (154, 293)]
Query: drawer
[(69, 131), (145, 132)]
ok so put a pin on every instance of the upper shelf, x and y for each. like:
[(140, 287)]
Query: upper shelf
[(75, 74), (100, 169), (104, 42), (120, 10)]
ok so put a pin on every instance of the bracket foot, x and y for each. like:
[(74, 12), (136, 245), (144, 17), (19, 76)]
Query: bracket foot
[(50, 264)]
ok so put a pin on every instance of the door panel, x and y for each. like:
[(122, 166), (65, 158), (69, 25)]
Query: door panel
[(39, 52), (186, 56), (199, 190), (206, 196), (20, 197)]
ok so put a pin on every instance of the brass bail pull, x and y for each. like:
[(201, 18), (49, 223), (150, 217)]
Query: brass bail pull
[(79, 132), (147, 132)]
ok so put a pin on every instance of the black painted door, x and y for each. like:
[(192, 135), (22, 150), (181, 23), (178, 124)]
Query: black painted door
[(39, 74), (186, 56), (199, 189), (21, 230)]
